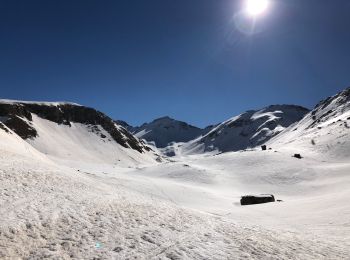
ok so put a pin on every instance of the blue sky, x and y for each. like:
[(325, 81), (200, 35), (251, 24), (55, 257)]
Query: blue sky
[(138, 60)]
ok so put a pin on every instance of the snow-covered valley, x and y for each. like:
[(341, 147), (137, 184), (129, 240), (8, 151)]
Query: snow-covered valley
[(177, 210), (72, 192)]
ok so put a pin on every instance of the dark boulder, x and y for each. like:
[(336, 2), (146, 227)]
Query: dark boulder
[(298, 156), (257, 199)]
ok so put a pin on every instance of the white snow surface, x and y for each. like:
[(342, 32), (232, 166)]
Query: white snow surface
[(10, 101), (80, 142), (63, 196)]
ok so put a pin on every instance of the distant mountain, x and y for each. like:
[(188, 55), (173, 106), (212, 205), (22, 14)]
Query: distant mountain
[(73, 132), (247, 130), (325, 130), (165, 130)]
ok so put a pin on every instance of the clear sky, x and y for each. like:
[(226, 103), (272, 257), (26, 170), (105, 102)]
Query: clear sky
[(190, 59)]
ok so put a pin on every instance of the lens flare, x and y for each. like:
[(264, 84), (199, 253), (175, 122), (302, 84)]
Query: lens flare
[(256, 7)]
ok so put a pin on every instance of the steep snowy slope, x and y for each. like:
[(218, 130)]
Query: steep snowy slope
[(72, 132), (166, 130), (12, 144), (325, 130), (247, 130)]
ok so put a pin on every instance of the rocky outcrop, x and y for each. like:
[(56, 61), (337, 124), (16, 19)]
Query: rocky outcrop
[(330, 108), (18, 116), (4, 128), (125, 125), (21, 127)]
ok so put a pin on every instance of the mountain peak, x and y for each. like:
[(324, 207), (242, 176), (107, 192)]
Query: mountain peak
[(164, 119), (165, 130), (249, 129)]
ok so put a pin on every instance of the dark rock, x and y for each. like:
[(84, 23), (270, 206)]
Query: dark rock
[(298, 156), (257, 199), (10, 110), (3, 127), (212, 134), (263, 147), (125, 125), (22, 128)]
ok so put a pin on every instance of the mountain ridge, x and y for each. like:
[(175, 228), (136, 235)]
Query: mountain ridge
[(165, 130), (247, 130)]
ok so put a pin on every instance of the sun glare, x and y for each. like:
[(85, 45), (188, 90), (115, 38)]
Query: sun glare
[(256, 7)]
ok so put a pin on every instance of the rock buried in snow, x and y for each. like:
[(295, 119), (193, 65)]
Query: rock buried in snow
[(297, 155), (257, 199)]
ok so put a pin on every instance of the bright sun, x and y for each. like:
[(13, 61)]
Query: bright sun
[(256, 7)]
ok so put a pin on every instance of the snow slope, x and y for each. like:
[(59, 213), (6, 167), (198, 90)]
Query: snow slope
[(326, 128), (12, 145), (79, 142), (246, 130), (66, 131), (180, 210)]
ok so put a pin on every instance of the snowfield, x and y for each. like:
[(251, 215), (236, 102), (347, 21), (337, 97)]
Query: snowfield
[(74, 193), (185, 209), (59, 212)]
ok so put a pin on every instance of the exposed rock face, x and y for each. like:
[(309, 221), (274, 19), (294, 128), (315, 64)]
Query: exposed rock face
[(125, 125), (330, 108), (3, 127), (18, 116), (21, 127)]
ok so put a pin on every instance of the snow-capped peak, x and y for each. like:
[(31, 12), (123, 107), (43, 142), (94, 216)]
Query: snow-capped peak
[(249, 129), (165, 130)]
